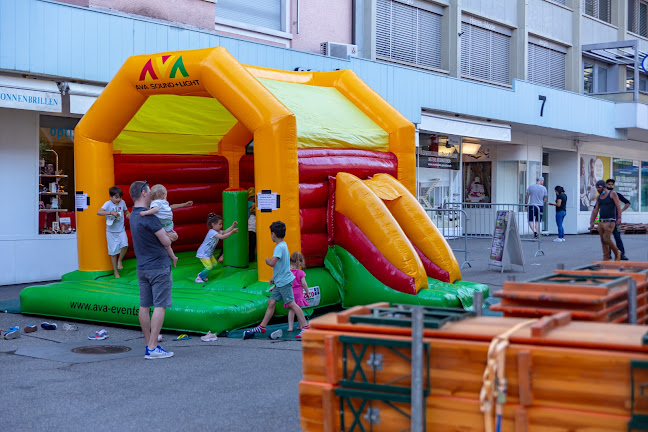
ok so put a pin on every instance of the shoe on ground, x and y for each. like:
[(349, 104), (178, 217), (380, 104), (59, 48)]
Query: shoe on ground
[(99, 335), (12, 333), (30, 328), (276, 334), (157, 353), (209, 337), (199, 280), (70, 327), (563, 239), (535, 235), (557, 240), (48, 326), (624, 258), (160, 338)]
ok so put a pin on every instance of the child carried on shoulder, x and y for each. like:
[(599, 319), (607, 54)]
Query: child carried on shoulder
[(161, 208)]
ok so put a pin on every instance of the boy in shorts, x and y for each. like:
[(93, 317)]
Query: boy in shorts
[(282, 279), (115, 211)]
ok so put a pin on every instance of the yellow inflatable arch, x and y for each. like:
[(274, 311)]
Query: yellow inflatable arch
[(149, 86)]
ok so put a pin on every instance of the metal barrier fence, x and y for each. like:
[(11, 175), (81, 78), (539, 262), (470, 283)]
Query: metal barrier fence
[(480, 220), (451, 223)]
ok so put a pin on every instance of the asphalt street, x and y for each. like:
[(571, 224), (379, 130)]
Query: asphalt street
[(227, 385)]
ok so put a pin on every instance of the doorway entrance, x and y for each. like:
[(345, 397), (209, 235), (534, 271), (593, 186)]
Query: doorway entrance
[(560, 168)]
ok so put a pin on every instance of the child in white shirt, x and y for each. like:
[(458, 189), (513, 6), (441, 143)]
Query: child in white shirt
[(115, 211), (206, 250), (160, 207)]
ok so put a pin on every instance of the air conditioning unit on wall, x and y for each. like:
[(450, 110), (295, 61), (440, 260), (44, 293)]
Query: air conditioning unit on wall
[(341, 50)]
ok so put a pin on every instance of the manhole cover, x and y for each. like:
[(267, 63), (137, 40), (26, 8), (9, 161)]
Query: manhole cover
[(101, 349)]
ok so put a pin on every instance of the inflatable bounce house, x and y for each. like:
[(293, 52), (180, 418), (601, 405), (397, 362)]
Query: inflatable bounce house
[(326, 154)]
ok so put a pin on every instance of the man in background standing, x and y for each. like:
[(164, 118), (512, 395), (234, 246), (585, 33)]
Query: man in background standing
[(536, 197), (609, 216), (617, 235)]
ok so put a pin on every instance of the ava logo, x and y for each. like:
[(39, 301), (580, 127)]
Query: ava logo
[(166, 66)]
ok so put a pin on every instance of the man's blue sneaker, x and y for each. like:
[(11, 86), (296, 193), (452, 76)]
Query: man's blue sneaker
[(157, 353)]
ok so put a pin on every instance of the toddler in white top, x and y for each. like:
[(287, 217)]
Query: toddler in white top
[(161, 208)]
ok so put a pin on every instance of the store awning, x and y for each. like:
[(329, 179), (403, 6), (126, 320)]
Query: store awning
[(437, 123), (82, 96), (29, 94)]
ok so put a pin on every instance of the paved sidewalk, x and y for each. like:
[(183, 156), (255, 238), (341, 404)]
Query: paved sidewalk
[(229, 385), (576, 251)]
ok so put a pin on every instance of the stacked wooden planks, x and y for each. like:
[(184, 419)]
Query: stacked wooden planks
[(597, 292), (575, 377)]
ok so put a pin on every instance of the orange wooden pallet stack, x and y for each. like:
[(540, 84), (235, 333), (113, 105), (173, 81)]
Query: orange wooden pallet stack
[(561, 375), (635, 270), (588, 296)]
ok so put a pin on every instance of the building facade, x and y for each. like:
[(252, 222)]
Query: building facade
[(500, 90)]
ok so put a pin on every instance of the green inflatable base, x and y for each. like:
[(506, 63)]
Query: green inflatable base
[(233, 298)]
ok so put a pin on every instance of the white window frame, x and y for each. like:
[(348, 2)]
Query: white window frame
[(596, 75), (283, 36)]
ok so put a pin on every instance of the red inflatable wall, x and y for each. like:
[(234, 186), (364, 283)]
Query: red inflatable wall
[(200, 179), (315, 168)]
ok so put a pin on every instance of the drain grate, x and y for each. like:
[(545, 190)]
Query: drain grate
[(101, 349)]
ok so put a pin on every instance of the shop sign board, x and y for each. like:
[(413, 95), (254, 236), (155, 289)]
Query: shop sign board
[(506, 240), (32, 100)]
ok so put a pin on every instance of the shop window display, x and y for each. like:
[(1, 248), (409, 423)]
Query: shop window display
[(644, 186), (626, 174), (56, 175), (477, 182), (438, 170)]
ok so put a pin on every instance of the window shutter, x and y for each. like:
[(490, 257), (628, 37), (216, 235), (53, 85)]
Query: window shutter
[(633, 15), (546, 66), (262, 13), (485, 54), (429, 39), (600, 9), (408, 34)]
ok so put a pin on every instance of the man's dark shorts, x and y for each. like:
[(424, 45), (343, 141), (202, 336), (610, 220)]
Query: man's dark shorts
[(155, 287), (535, 213)]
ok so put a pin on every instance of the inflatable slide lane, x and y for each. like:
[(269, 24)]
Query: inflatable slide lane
[(379, 223)]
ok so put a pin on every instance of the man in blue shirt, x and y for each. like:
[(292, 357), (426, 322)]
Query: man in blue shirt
[(154, 257)]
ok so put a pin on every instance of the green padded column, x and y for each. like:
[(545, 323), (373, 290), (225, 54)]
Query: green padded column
[(235, 247)]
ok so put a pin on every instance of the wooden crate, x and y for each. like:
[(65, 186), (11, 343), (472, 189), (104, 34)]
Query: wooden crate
[(638, 272), (561, 377), (320, 412), (587, 295)]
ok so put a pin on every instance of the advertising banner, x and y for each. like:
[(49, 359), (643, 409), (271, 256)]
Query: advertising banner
[(592, 169)]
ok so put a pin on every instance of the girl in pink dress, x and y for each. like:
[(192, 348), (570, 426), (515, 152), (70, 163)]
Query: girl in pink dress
[(299, 286)]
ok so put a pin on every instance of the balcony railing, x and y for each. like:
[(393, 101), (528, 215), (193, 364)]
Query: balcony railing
[(623, 96)]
